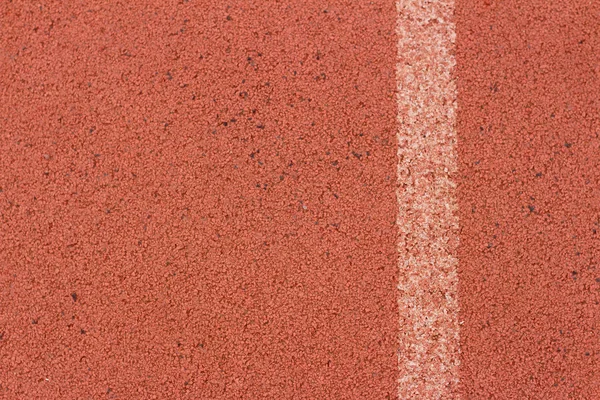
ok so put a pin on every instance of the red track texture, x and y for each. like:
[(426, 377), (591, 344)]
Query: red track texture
[(529, 198), (198, 200)]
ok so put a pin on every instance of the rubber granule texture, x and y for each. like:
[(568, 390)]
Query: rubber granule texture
[(198, 200), (529, 199)]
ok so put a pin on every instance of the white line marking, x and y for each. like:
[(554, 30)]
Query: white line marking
[(428, 354)]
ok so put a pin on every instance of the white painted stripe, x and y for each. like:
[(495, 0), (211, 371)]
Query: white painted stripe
[(428, 354)]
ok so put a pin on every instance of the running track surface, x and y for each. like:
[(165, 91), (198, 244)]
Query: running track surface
[(299, 200)]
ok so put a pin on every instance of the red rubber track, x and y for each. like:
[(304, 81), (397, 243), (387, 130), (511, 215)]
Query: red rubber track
[(197, 200), (529, 197)]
